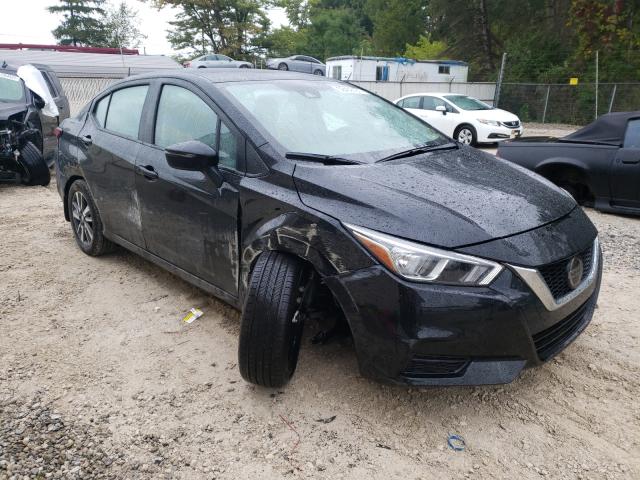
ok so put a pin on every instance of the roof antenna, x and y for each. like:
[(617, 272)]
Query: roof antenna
[(4, 64)]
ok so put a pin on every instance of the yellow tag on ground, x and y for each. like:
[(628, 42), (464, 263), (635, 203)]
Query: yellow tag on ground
[(192, 315), (573, 81)]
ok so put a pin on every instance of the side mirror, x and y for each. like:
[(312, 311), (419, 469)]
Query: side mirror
[(441, 108), (38, 101), (191, 155)]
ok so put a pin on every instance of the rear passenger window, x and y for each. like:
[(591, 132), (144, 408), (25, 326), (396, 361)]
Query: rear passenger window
[(125, 110), (411, 102), (183, 116), (100, 111), (632, 137)]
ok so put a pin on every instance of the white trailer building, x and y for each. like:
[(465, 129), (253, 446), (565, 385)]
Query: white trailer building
[(383, 69)]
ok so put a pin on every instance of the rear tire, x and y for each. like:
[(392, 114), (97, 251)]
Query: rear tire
[(283, 66), (36, 171), (86, 222), (466, 135), (271, 329)]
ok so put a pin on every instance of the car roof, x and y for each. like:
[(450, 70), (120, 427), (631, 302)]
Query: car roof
[(226, 75)]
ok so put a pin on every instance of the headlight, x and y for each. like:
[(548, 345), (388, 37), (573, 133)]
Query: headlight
[(420, 263), (490, 122)]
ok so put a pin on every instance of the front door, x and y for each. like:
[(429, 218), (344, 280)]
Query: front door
[(188, 220), (625, 175), (107, 150)]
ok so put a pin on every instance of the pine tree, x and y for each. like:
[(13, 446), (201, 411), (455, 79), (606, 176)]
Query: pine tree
[(81, 24)]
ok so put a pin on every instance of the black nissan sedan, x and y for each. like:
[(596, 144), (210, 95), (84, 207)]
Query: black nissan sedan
[(287, 194)]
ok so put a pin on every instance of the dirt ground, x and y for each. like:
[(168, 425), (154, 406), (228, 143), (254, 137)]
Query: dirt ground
[(99, 378)]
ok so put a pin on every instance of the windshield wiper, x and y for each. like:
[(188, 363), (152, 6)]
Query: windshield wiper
[(422, 149), (318, 157)]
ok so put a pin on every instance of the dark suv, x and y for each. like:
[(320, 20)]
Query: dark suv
[(284, 194)]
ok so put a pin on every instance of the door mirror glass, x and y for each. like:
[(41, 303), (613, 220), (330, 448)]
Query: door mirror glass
[(191, 155), (441, 108)]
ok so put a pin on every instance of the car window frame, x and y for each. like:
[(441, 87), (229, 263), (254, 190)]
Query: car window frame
[(419, 107), (151, 116), (110, 92)]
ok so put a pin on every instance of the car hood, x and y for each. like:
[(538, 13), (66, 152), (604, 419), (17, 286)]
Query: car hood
[(8, 109), (451, 198), (494, 114)]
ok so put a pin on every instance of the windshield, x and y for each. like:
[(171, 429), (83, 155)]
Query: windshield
[(467, 103), (11, 89), (330, 118)]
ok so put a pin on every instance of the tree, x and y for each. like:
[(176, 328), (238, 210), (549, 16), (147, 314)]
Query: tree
[(81, 24), (396, 23), (425, 49), (122, 27), (224, 26)]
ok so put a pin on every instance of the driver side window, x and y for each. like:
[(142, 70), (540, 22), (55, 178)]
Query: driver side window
[(183, 116)]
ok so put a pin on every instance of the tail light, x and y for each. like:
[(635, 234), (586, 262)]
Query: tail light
[(57, 132)]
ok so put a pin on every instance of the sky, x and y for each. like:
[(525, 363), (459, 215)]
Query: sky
[(16, 14)]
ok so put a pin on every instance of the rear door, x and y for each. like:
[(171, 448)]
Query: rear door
[(297, 64), (187, 219), (108, 145), (625, 175)]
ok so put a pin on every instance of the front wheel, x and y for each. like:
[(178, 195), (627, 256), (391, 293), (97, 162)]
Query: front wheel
[(283, 66), (466, 135), (319, 73), (271, 329), (86, 222), (35, 169)]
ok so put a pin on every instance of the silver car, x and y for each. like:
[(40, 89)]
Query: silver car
[(298, 63), (216, 60)]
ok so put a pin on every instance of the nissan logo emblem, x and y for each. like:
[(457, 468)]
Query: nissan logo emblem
[(575, 269)]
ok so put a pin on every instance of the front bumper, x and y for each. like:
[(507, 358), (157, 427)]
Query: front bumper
[(492, 133), (424, 334)]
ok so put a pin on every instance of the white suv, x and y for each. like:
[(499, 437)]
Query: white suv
[(463, 118)]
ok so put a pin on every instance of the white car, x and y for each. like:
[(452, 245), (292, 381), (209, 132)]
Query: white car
[(463, 118), (216, 60)]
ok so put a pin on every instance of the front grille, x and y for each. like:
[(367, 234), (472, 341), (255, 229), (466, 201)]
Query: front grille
[(514, 124), (426, 366), (555, 274), (550, 341)]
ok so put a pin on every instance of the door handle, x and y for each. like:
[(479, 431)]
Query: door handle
[(147, 171), (86, 139)]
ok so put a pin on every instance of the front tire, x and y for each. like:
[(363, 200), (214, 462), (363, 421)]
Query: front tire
[(86, 222), (319, 73), (36, 170), (272, 325), (466, 135), (283, 66)]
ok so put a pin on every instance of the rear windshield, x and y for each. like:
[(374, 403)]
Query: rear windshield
[(467, 103), (329, 118), (11, 88)]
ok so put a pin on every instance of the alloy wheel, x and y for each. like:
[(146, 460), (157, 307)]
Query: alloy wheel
[(82, 218), (465, 136)]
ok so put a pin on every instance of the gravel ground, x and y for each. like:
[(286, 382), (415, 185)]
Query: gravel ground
[(100, 379)]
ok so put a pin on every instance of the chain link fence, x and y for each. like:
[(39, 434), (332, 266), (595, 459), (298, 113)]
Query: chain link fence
[(80, 90), (568, 104)]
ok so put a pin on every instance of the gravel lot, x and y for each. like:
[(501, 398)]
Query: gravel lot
[(100, 379)]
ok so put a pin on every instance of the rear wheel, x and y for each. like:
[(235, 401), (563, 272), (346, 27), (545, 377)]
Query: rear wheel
[(466, 135), (86, 222), (244, 66), (272, 324), (283, 66), (35, 169)]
